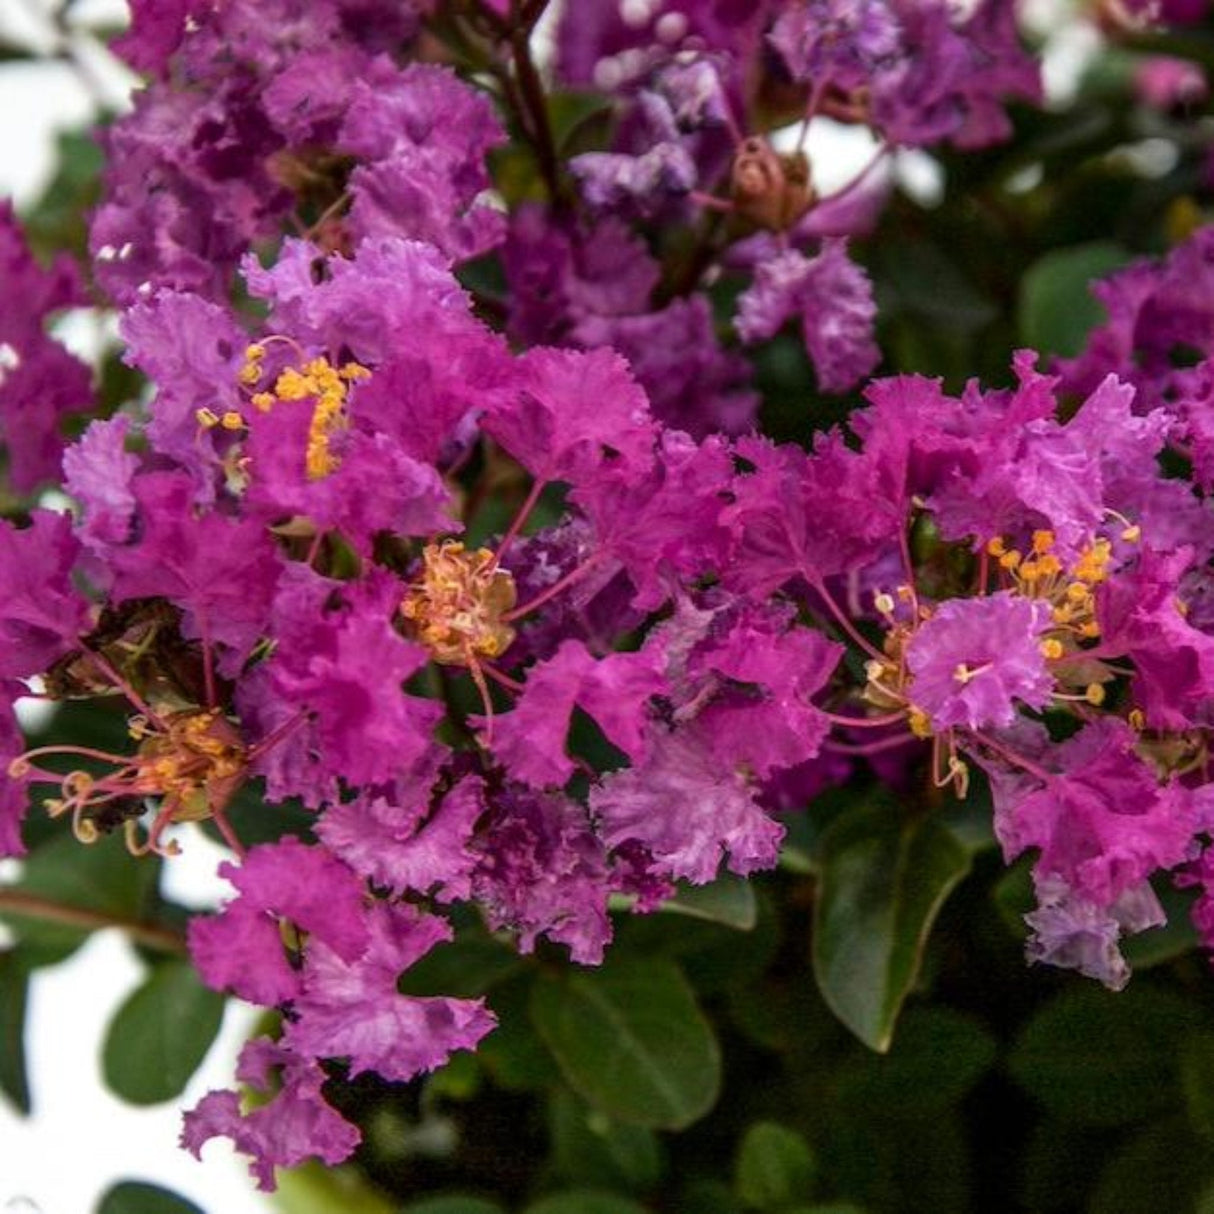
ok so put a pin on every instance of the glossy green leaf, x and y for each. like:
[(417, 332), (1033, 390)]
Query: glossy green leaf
[(160, 1034), (584, 1201), (1098, 1058), (884, 878), (775, 1167), (630, 1038), (464, 969), (592, 1150), (729, 900), (138, 1197), (1057, 308), (514, 1054), (14, 997)]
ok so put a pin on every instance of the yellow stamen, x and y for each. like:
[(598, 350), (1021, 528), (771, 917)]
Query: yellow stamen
[(456, 607), (919, 722)]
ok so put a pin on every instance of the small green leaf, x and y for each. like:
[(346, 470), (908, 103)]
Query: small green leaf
[(136, 1197), (728, 900), (775, 1167), (453, 1203), (1103, 1059), (630, 1038), (584, 1201), (1057, 307), (884, 878), (1197, 1081), (14, 995), (160, 1034), (316, 1188), (104, 880)]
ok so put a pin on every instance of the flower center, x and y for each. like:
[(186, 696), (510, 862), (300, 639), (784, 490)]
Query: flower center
[(456, 608), (193, 761), (318, 380)]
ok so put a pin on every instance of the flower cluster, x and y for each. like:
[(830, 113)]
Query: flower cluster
[(285, 564)]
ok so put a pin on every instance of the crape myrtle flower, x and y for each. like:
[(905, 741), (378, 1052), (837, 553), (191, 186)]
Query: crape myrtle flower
[(1159, 336), (842, 41), (561, 273), (268, 113), (1075, 933), (831, 296), (1097, 814), (309, 624), (40, 382), (917, 74), (972, 660)]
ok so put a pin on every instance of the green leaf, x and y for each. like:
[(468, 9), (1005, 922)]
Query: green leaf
[(1097, 1058), (454, 1203), (1162, 1167), (514, 1053), (937, 1058), (316, 1188), (160, 1034), (136, 1197), (464, 969), (14, 996), (884, 878), (728, 900), (584, 1201), (630, 1038), (1172, 939), (592, 1150), (1057, 308), (775, 1167), (57, 220), (1197, 1081), (103, 879), (928, 283)]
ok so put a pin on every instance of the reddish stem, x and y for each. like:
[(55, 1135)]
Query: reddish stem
[(520, 519), (574, 575), (839, 614), (137, 702), (501, 679), (889, 718), (863, 749), (1011, 756)]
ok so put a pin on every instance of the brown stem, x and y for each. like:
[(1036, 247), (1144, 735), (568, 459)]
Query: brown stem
[(535, 108), (163, 939)]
